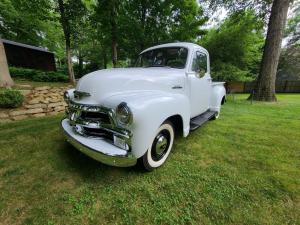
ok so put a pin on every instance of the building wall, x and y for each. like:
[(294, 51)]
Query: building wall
[(19, 56)]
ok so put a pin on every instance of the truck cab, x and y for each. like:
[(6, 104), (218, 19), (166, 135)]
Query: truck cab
[(119, 116)]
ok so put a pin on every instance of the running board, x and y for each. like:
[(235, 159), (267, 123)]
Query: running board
[(201, 119)]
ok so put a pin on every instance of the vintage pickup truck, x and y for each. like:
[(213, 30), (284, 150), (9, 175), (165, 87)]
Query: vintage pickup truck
[(121, 116)]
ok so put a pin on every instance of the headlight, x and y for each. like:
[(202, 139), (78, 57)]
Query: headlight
[(124, 114)]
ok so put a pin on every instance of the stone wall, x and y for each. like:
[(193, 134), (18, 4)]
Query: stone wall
[(39, 102)]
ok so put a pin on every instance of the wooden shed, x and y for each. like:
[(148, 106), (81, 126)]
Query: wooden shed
[(27, 56)]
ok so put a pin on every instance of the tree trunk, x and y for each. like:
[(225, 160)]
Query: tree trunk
[(265, 84), (80, 64), (67, 33), (104, 59), (5, 78), (114, 34), (143, 23), (114, 54), (70, 63)]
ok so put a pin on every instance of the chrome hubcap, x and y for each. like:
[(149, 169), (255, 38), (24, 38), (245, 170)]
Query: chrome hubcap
[(161, 144)]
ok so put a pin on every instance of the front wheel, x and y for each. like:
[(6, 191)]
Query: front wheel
[(160, 148)]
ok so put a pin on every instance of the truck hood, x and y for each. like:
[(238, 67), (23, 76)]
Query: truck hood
[(103, 84)]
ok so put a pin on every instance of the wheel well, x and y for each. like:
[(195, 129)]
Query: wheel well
[(177, 122), (223, 100)]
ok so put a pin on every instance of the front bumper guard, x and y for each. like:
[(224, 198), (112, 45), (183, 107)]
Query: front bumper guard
[(98, 149)]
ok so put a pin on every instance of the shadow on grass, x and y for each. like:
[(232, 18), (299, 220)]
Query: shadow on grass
[(74, 161)]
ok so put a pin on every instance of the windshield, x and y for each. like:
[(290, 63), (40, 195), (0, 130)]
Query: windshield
[(174, 57)]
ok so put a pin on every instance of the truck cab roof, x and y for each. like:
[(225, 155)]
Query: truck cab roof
[(190, 46)]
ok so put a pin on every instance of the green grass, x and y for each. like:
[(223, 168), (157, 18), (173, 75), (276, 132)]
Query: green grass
[(241, 169)]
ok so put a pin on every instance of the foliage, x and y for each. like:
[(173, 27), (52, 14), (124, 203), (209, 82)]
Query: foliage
[(144, 23), (227, 72), (235, 47), (260, 7), (293, 26), (289, 63), (22, 20), (10, 98), (37, 75), (140, 24), (31, 22), (227, 172)]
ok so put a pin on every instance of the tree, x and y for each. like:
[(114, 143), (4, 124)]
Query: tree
[(24, 21), (260, 7), (70, 12), (293, 26), (289, 63), (145, 23), (107, 16), (5, 79), (235, 47), (265, 85)]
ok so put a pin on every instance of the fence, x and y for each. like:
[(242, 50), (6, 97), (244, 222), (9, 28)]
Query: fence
[(247, 87)]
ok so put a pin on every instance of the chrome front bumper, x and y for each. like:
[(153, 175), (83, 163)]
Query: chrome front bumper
[(98, 149)]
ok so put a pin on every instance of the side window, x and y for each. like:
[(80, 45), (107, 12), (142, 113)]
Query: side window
[(200, 63)]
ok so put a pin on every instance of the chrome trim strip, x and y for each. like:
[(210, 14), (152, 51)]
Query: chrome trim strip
[(112, 127), (80, 94), (112, 160), (96, 108), (120, 132)]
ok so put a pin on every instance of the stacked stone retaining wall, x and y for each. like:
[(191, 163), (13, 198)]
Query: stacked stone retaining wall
[(39, 102)]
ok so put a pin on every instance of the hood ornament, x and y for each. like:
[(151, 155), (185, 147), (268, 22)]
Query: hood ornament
[(80, 94)]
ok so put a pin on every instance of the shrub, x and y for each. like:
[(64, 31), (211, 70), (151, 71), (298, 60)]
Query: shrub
[(10, 98), (37, 75), (228, 72)]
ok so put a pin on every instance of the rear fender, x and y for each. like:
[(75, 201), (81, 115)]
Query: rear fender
[(218, 93)]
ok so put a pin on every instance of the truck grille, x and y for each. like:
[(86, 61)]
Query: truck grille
[(95, 116), (98, 132)]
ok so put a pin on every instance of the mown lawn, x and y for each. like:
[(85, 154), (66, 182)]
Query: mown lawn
[(241, 169)]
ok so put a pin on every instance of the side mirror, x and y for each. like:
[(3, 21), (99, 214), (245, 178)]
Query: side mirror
[(201, 73)]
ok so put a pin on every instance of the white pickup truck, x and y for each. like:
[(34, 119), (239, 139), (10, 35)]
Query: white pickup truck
[(120, 116)]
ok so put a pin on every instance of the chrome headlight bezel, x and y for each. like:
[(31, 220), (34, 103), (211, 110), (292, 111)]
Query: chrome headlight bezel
[(124, 114), (67, 96)]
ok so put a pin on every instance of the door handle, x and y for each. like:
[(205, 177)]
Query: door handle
[(177, 87)]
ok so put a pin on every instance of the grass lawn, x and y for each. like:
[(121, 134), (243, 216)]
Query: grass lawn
[(241, 169)]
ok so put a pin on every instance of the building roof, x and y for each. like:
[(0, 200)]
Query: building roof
[(25, 45)]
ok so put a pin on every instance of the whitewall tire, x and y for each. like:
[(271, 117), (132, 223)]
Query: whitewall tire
[(160, 148)]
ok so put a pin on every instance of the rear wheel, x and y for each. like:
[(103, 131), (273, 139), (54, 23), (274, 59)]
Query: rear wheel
[(160, 148)]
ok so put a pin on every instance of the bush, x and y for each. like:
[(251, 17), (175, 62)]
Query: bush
[(37, 75), (10, 98), (228, 72)]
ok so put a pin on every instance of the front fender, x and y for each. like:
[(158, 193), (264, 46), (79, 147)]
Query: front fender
[(150, 109)]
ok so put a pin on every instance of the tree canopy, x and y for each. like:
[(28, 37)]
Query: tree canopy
[(236, 47), (96, 34)]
